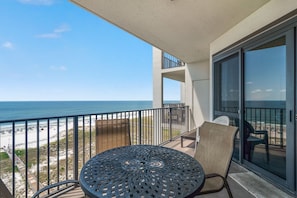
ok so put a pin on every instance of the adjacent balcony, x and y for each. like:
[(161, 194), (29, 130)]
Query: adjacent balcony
[(170, 61)]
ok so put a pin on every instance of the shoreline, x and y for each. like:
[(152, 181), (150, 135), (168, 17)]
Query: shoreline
[(34, 132), (21, 129)]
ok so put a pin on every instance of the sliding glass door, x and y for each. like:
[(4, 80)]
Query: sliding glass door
[(255, 87), (268, 126)]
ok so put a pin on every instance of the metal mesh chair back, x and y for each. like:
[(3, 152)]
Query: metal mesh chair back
[(214, 152), (112, 133)]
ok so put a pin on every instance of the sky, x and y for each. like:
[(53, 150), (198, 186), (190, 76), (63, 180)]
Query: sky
[(265, 74), (52, 50)]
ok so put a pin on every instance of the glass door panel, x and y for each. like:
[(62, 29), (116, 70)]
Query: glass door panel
[(226, 93), (265, 104)]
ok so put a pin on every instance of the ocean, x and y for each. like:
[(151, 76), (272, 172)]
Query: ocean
[(41, 109)]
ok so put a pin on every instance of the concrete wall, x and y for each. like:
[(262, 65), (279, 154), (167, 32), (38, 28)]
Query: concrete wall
[(157, 78), (197, 91), (183, 92)]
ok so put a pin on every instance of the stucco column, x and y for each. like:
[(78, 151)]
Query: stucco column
[(157, 78), (198, 92), (157, 92)]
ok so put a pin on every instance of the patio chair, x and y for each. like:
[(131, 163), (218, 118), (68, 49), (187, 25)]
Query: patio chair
[(4, 192), (214, 153), (254, 137), (194, 133), (112, 133), (222, 120), (67, 188)]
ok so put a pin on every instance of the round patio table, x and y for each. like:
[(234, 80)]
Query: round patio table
[(142, 171)]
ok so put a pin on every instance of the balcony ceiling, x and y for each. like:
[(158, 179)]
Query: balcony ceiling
[(178, 74), (183, 28)]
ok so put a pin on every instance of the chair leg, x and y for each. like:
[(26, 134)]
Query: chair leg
[(252, 152), (248, 150), (266, 147), (182, 141), (267, 153), (228, 188)]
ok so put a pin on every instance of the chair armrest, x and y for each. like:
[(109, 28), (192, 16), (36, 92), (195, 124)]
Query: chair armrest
[(70, 182), (211, 175), (261, 132), (4, 192)]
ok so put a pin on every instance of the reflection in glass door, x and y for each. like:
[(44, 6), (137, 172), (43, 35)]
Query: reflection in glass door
[(266, 103), (226, 93)]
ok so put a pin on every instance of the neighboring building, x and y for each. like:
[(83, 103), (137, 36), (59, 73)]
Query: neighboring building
[(240, 60)]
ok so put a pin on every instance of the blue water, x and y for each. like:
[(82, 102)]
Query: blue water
[(40, 109)]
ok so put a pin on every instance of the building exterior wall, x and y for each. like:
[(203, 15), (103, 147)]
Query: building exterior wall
[(194, 91), (182, 92), (197, 91), (264, 16), (267, 19)]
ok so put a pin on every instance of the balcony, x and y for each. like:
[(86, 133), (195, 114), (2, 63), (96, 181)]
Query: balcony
[(172, 67), (170, 61), (38, 152)]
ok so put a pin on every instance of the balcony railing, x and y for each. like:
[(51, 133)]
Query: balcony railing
[(38, 152), (170, 61), (271, 119)]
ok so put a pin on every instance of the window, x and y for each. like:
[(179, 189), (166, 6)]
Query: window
[(226, 93), (226, 85)]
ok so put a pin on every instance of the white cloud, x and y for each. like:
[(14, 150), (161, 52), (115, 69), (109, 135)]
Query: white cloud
[(268, 90), (256, 91), (49, 35), (37, 2), (62, 28), (249, 83), (58, 68), (56, 32), (8, 45), (283, 90)]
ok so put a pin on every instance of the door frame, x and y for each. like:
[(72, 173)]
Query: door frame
[(289, 33), (289, 30)]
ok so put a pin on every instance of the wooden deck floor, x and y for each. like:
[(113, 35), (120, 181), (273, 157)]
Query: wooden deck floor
[(243, 183)]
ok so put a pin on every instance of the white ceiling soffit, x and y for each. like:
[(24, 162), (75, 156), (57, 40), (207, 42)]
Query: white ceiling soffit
[(178, 75), (183, 28)]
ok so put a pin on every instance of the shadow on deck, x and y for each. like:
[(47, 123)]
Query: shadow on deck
[(243, 183)]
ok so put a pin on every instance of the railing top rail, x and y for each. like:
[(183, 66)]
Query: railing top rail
[(79, 115), (265, 107)]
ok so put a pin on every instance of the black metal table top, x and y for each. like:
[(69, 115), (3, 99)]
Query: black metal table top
[(141, 171)]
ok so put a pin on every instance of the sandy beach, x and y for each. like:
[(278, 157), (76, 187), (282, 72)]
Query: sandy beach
[(33, 135), (20, 131)]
